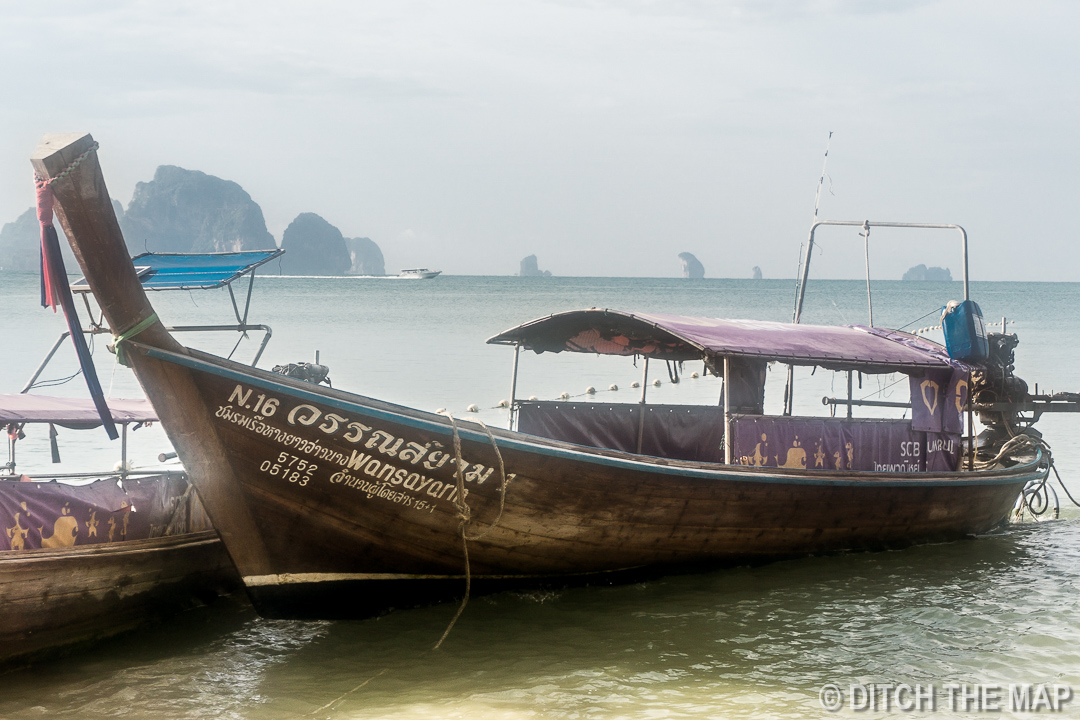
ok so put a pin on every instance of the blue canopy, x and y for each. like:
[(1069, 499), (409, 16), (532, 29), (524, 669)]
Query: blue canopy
[(192, 271)]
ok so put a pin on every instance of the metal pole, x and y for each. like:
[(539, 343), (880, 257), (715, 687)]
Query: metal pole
[(805, 272), (971, 428), (963, 242), (513, 385), (247, 303), (727, 412), (869, 301), (789, 401), (41, 368), (849, 373), (789, 389), (123, 451), (641, 418)]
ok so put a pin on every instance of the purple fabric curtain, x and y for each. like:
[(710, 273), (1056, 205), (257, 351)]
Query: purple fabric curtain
[(842, 444), (56, 515), (937, 400), (682, 432)]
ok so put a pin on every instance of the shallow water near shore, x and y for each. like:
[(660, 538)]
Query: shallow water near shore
[(754, 642)]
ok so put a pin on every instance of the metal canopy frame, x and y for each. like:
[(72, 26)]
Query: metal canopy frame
[(865, 225), (242, 326)]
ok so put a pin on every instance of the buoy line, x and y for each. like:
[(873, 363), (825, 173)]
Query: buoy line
[(504, 404)]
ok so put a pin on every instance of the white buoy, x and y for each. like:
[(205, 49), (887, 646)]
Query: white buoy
[(612, 386), (503, 404), (635, 384), (590, 390), (656, 382), (694, 374), (533, 398), (472, 408), (564, 396)]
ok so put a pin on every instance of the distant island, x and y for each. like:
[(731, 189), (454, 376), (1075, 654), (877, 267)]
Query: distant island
[(187, 211), (921, 273), (756, 273), (691, 266), (530, 268)]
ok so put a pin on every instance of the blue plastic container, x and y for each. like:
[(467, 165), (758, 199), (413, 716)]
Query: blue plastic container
[(965, 334)]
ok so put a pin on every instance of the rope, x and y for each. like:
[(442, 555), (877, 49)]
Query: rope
[(1020, 442), (344, 695), (70, 168), (119, 340), (464, 513), (935, 310), (1062, 484), (502, 486)]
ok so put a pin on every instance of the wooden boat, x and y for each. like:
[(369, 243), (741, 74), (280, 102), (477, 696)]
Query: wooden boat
[(91, 554), (333, 504), (79, 562)]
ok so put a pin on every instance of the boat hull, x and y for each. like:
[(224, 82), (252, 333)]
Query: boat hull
[(355, 502), (56, 597)]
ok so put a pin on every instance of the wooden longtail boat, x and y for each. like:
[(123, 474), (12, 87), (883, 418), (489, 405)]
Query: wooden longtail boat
[(90, 555), (332, 504)]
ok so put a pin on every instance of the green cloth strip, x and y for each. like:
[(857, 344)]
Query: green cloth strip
[(119, 340)]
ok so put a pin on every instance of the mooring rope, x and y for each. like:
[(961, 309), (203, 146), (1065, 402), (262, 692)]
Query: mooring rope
[(502, 486), (344, 695), (464, 513), (1020, 442)]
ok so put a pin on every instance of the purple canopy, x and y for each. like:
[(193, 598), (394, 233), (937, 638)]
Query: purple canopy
[(70, 412), (678, 337)]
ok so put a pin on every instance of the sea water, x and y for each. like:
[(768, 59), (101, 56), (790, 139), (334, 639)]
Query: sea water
[(756, 642)]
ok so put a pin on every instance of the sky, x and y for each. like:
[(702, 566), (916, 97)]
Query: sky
[(603, 137)]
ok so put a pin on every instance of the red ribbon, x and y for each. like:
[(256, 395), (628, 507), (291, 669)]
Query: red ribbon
[(45, 217)]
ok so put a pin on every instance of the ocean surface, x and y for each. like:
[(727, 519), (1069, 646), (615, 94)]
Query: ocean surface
[(752, 642)]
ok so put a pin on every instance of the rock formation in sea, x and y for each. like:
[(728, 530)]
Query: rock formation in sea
[(20, 243), (189, 211), (757, 272), (366, 257), (691, 266), (921, 273), (314, 247), (529, 268)]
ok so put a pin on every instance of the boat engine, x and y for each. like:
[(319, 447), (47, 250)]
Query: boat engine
[(310, 372), (995, 383)]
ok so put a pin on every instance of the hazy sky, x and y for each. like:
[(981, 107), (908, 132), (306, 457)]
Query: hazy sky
[(605, 137)]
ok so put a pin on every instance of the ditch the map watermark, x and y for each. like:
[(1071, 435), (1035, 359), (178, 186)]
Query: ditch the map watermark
[(947, 697)]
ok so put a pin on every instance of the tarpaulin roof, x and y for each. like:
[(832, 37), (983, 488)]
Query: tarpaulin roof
[(70, 412), (192, 271), (678, 337)]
